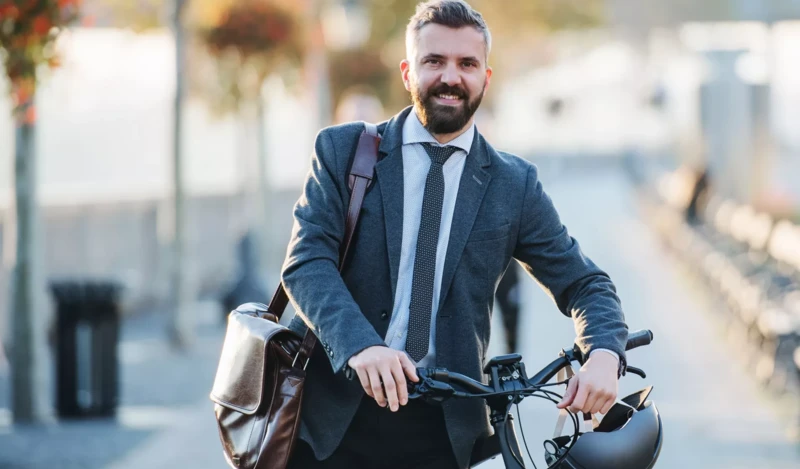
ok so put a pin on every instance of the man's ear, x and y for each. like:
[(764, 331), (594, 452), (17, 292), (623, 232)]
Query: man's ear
[(488, 77), (405, 69)]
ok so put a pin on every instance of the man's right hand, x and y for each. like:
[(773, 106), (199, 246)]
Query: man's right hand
[(383, 372)]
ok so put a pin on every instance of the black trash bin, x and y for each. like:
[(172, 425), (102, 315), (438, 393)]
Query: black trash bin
[(87, 332)]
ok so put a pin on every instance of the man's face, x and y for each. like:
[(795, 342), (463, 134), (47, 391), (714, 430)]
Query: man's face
[(447, 76)]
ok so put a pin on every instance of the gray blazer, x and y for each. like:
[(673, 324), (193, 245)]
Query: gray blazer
[(501, 213)]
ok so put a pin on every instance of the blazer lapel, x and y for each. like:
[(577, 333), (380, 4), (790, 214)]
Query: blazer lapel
[(471, 190), (389, 171)]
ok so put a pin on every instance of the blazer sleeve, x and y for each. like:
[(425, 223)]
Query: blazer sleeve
[(310, 272), (579, 288)]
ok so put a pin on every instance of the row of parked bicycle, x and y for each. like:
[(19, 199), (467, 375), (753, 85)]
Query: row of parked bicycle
[(749, 262)]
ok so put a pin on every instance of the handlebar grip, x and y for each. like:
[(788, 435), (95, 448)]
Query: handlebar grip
[(639, 338)]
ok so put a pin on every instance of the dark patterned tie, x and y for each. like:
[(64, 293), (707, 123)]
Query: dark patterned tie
[(421, 307)]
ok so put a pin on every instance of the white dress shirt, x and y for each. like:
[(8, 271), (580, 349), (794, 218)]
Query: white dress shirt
[(416, 164)]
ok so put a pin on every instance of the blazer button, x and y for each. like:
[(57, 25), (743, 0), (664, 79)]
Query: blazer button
[(384, 315)]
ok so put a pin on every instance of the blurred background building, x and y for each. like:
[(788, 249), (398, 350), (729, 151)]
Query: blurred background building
[(647, 87)]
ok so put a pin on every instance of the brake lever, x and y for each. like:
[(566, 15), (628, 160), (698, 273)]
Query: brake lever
[(636, 371), (430, 390)]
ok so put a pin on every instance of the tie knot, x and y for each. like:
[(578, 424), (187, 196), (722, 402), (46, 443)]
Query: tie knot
[(439, 154)]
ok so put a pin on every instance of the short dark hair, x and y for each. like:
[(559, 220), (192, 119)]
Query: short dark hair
[(450, 13)]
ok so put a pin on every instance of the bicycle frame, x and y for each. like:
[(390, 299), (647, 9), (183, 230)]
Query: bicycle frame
[(507, 439)]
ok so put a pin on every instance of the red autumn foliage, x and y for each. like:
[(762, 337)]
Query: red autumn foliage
[(28, 29), (256, 27)]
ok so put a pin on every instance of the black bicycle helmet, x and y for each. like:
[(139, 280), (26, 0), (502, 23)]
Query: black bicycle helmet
[(629, 437)]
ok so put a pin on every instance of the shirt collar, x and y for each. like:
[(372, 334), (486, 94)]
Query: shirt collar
[(415, 132)]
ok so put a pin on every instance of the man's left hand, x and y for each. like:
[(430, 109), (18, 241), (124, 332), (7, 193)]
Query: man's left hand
[(594, 388)]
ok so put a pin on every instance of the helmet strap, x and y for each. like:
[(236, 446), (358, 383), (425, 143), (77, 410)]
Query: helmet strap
[(563, 374)]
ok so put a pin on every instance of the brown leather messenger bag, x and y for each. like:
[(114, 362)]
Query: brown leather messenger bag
[(258, 388)]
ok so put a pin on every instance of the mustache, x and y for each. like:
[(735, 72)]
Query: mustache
[(447, 89)]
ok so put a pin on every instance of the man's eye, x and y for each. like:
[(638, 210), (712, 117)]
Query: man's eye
[(432, 61), (469, 64)]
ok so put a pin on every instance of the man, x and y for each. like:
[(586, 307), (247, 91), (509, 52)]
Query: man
[(443, 219)]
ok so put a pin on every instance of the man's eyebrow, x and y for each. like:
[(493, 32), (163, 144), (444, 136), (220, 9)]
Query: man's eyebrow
[(440, 56)]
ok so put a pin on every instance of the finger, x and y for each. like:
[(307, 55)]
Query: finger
[(608, 405), (390, 388), (400, 382), (375, 385), (596, 402), (409, 367), (569, 396), (364, 378), (591, 400), (603, 397), (580, 398), (600, 404)]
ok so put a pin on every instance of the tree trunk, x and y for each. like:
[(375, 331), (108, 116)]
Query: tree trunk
[(25, 366), (263, 193), (316, 65), (180, 322)]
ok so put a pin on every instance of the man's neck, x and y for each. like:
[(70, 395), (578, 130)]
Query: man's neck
[(446, 138)]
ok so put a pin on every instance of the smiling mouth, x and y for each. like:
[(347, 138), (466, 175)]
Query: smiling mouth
[(448, 97)]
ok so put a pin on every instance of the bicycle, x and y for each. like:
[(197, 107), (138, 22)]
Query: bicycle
[(509, 385)]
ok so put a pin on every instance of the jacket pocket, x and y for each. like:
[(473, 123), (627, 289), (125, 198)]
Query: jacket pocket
[(490, 234)]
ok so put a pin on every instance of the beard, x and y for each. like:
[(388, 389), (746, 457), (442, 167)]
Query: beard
[(440, 118)]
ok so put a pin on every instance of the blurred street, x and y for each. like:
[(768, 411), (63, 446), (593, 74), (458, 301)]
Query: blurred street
[(715, 416)]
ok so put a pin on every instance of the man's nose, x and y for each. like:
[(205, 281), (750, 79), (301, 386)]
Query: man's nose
[(451, 75)]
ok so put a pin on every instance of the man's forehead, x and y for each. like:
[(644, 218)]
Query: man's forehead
[(436, 39)]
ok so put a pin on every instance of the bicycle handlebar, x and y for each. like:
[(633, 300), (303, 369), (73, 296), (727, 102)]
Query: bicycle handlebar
[(638, 339), (469, 384), (508, 384), (440, 378)]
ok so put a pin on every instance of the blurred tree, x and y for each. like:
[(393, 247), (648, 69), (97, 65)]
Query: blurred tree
[(178, 15), (141, 16), (180, 326), (136, 15), (28, 33), (249, 41), (246, 41), (360, 67)]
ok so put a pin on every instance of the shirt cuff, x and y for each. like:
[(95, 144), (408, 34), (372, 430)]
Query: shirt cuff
[(606, 351)]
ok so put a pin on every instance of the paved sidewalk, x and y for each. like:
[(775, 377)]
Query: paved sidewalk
[(192, 442), (162, 392)]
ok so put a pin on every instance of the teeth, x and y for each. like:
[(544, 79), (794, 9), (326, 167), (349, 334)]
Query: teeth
[(448, 96)]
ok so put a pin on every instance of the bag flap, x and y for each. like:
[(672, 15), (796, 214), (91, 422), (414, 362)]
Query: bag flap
[(239, 382)]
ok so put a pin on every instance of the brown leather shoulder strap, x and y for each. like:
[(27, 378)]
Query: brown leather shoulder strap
[(359, 180)]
